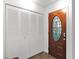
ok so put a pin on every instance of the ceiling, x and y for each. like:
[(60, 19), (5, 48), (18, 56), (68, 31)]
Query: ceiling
[(43, 2)]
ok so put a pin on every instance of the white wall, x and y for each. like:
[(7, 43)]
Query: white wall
[(1, 29), (24, 29), (27, 4), (55, 6)]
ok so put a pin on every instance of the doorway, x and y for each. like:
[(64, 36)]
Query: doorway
[(57, 34)]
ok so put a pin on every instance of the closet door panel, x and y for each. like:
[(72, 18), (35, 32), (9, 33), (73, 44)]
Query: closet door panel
[(25, 32), (33, 36), (17, 32), (41, 39), (12, 32), (24, 23)]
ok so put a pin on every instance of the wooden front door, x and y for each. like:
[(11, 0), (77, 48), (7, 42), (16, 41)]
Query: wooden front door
[(57, 34)]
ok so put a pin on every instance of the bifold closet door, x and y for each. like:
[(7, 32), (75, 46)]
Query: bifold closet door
[(24, 33), (12, 32), (17, 28), (36, 41)]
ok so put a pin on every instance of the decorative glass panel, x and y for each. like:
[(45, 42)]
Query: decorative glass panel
[(57, 28)]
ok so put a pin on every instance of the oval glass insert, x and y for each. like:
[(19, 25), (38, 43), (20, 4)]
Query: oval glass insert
[(57, 28)]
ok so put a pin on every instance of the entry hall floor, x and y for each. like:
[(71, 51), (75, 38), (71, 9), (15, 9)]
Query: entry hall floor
[(42, 55)]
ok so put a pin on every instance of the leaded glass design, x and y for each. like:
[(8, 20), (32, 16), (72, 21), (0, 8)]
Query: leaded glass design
[(56, 28)]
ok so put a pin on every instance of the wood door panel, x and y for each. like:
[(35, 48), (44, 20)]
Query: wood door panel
[(60, 49), (57, 48), (52, 51)]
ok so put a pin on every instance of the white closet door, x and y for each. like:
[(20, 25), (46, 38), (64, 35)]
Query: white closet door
[(24, 33), (12, 33), (36, 43), (33, 34), (16, 32), (41, 31)]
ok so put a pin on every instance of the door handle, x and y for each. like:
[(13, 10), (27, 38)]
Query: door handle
[(64, 35), (64, 38)]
